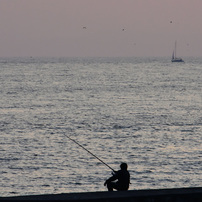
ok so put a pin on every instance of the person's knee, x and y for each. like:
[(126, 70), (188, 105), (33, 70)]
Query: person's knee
[(110, 186)]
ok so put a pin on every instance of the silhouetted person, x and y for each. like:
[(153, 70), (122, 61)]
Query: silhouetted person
[(123, 179)]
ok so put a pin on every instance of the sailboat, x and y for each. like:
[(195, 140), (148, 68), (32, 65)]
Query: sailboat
[(174, 57)]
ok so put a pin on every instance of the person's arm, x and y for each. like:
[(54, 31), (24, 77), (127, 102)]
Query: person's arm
[(112, 178)]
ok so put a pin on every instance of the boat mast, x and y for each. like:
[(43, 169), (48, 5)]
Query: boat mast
[(175, 55)]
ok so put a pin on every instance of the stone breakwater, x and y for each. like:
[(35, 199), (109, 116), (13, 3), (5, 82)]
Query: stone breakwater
[(153, 195)]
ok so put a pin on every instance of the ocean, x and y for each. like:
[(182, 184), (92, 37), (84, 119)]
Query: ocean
[(142, 111)]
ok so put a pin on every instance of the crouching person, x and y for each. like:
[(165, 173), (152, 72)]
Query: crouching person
[(120, 179)]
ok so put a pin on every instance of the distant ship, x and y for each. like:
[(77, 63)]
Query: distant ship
[(174, 57)]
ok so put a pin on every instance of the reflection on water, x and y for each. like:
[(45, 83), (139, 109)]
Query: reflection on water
[(144, 112)]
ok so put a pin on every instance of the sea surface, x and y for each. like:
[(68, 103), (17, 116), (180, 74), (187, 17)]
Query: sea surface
[(146, 112)]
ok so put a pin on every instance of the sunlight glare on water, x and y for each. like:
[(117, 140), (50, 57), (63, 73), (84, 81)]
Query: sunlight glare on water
[(143, 111)]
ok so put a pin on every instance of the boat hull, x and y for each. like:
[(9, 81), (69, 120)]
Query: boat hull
[(177, 60)]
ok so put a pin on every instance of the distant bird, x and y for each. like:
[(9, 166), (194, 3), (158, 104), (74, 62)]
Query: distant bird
[(84, 27), (171, 21), (123, 29)]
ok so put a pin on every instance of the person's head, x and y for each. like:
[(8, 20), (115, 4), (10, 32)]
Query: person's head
[(123, 166)]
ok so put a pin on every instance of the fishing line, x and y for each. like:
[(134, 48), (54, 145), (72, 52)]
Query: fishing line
[(88, 151)]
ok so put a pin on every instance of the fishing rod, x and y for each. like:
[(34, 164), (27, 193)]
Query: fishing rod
[(89, 152)]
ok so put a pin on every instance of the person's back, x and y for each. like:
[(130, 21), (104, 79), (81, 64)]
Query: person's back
[(123, 177)]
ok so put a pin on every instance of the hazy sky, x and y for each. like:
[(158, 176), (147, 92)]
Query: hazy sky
[(100, 27)]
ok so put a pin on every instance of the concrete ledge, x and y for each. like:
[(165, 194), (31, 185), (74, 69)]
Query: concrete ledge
[(152, 195)]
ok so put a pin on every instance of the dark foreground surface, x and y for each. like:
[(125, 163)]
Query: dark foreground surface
[(155, 195)]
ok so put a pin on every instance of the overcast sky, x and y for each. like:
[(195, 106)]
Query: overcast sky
[(100, 27)]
